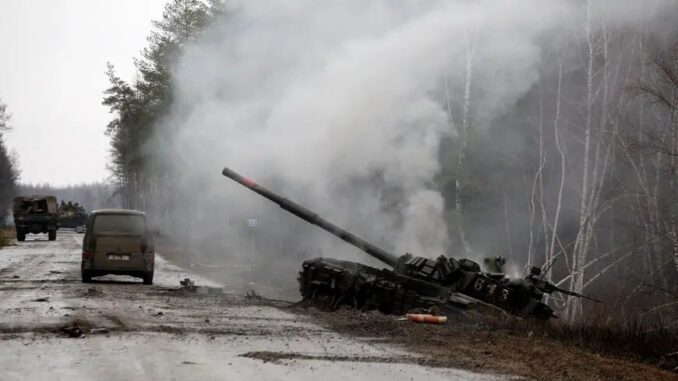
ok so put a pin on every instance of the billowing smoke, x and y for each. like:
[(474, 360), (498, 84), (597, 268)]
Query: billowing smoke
[(342, 107)]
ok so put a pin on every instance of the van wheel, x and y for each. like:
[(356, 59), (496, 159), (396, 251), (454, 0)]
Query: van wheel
[(52, 235), (86, 277), (20, 236), (148, 278)]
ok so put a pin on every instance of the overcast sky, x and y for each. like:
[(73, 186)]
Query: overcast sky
[(53, 56)]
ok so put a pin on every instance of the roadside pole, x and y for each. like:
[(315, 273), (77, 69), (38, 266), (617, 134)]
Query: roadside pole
[(252, 223)]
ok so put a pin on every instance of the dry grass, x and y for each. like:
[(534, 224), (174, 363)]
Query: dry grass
[(7, 236), (654, 345), (524, 348)]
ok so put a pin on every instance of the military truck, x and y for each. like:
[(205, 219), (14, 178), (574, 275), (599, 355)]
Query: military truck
[(35, 214)]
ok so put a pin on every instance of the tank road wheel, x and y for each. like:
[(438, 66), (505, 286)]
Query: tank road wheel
[(148, 278), (20, 236), (52, 235)]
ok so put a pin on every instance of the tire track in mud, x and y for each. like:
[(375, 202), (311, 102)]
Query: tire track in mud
[(281, 357)]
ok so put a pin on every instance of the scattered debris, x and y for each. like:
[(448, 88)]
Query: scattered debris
[(72, 330), (426, 318), (16, 277), (188, 362), (189, 286), (159, 313), (45, 299), (102, 331)]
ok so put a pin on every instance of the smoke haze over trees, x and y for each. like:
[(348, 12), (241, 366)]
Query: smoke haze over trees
[(542, 131)]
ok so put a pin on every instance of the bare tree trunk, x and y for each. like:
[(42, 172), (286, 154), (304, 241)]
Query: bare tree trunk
[(507, 224), (538, 179), (672, 183), (463, 146), (574, 305), (563, 161)]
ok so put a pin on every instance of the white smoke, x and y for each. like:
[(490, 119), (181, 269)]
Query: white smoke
[(338, 106)]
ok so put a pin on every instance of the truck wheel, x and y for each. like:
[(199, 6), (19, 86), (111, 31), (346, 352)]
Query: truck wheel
[(52, 235), (148, 278), (20, 236), (86, 277)]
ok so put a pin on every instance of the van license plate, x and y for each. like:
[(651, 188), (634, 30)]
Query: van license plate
[(116, 257)]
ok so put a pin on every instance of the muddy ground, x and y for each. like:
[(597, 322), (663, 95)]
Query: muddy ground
[(486, 345), (477, 344), (54, 327)]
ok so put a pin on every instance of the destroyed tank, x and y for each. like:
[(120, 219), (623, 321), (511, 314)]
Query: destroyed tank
[(411, 283)]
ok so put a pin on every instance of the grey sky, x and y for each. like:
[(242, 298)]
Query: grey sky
[(53, 56)]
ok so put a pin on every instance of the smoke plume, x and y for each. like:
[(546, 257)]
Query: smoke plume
[(342, 107)]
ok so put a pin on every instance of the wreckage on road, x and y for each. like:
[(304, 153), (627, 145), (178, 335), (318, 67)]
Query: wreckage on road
[(412, 283)]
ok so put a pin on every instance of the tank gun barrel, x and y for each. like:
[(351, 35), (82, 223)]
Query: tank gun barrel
[(314, 219)]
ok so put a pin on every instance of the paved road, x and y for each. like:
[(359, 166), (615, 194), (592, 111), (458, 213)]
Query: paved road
[(160, 333)]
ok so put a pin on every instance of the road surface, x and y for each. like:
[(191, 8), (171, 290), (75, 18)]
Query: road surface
[(158, 332)]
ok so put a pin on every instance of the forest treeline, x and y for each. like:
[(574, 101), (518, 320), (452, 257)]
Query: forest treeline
[(579, 177), (9, 172), (86, 196)]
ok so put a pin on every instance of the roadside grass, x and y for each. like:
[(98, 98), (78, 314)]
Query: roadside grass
[(655, 345)]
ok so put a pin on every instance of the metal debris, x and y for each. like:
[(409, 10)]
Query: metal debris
[(426, 318), (72, 330), (189, 285)]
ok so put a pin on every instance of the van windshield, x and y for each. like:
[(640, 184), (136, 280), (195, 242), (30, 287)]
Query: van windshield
[(119, 224)]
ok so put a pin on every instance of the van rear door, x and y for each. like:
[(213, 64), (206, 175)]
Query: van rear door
[(118, 241)]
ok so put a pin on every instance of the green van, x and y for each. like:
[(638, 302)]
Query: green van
[(119, 242)]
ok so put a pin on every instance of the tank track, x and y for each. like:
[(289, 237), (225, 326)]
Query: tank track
[(333, 283)]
